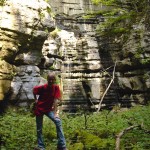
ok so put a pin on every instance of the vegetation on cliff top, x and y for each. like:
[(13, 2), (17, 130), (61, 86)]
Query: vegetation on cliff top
[(122, 16)]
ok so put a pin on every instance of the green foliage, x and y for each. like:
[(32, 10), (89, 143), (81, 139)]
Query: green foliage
[(77, 146), (49, 10), (2, 2), (52, 67), (117, 24), (18, 130), (139, 138), (47, 1), (54, 33), (57, 80), (139, 56), (41, 15), (121, 16), (91, 141), (102, 128), (145, 61), (105, 2)]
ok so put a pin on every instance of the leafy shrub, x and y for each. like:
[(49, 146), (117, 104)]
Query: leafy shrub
[(17, 131), (77, 146), (91, 141)]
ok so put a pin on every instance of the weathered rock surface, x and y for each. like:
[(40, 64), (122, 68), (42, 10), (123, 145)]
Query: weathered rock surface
[(82, 71), (133, 69), (24, 26), (83, 61), (88, 66)]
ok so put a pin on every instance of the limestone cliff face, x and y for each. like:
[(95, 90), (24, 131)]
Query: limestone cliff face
[(24, 26), (133, 61), (133, 67), (87, 61), (83, 61)]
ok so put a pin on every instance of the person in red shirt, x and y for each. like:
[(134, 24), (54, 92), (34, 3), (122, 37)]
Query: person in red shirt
[(46, 97)]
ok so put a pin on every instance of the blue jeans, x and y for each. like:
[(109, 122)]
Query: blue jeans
[(60, 135)]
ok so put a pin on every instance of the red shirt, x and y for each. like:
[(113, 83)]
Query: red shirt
[(46, 97)]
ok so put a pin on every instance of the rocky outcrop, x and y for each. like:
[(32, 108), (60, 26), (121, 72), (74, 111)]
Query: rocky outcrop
[(132, 72), (134, 83), (24, 26)]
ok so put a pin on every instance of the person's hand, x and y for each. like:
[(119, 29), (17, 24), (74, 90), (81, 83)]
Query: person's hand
[(56, 115), (36, 101)]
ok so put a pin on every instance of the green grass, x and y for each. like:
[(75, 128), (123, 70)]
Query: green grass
[(97, 132)]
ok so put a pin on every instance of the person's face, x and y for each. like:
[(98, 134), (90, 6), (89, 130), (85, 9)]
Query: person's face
[(51, 80)]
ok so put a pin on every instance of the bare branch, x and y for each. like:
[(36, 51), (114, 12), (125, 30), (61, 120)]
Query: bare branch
[(118, 139), (100, 103)]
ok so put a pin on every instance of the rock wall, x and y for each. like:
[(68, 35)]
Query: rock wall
[(132, 71), (24, 26), (133, 68), (83, 75), (88, 60), (30, 48)]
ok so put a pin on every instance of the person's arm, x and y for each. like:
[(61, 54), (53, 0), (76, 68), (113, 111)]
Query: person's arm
[(56, 107), (36, 97), (36, 92), (57, 101)]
